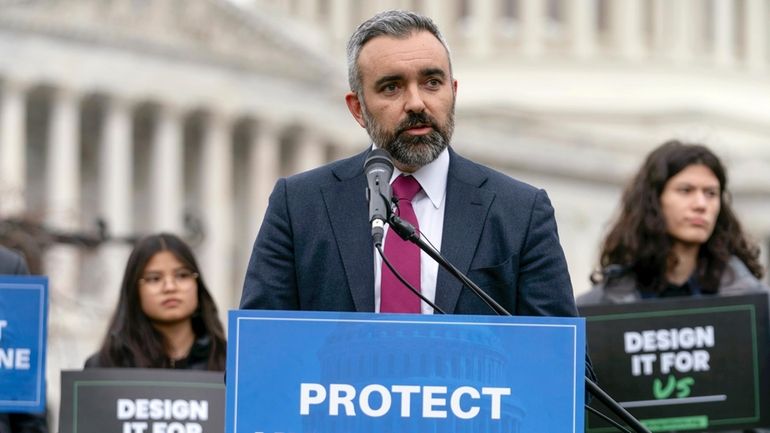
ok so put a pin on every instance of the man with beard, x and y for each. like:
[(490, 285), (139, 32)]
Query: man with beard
[(314, 250)]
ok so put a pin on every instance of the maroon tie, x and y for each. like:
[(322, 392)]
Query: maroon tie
[(403, 255)]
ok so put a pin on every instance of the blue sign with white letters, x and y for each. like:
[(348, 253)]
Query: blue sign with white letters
[(324, 372), (23, 331)]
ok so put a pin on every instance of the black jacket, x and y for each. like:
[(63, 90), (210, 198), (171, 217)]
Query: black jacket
[(23, 423), (197, 359)]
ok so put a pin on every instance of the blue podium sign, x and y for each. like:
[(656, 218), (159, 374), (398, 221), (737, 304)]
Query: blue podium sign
[(322, 372), (23, 319)]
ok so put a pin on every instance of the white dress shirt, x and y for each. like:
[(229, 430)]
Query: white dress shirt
[(428, 205)]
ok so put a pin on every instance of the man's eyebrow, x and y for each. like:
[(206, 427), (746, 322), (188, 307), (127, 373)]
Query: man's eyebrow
[(387, 79), (427, 72)]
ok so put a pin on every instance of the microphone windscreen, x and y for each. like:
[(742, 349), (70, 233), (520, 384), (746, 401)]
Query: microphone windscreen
[(378, 156)]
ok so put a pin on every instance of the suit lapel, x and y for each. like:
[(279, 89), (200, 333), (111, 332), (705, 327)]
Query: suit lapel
[(348, 212), (464, 216)]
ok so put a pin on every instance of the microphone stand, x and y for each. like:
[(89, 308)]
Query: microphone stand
[(408, 233)]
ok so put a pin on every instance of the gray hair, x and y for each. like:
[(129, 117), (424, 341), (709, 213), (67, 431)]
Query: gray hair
[(395, 23)]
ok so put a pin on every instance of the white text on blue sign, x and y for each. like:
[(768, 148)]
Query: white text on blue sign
[(465, 402)]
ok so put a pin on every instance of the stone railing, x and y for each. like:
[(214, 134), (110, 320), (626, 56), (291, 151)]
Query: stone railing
[(730, 34)]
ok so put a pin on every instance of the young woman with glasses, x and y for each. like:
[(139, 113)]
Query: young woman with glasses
[(165, 316)]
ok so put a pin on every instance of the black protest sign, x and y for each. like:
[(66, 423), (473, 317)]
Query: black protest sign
[(142, 401), (683, 364)]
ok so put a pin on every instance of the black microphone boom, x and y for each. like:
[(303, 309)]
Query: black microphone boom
[(379, 169), (409, 233)]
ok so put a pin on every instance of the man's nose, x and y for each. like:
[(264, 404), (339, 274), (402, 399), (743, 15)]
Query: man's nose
[(414, 102)]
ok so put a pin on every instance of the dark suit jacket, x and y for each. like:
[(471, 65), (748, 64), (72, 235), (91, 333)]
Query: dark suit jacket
[(314, 249), (14, 264)]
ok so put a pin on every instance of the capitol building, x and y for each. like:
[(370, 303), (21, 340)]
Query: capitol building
[(125, 117), (444, 355)]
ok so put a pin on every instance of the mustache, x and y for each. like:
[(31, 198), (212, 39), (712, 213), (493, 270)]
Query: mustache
[(414, 120)]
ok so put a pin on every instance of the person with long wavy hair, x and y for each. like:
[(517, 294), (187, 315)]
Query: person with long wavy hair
[(676, 234), (165, 317)]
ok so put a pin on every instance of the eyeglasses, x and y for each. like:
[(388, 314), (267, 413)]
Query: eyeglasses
[(181, 278)]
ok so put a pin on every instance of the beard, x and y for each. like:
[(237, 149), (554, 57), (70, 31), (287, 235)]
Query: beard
[(412, 150)]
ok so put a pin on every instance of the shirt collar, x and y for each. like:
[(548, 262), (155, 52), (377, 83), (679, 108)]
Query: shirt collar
[(432, 177)]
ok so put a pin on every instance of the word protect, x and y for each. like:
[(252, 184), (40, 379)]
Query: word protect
[(434, 400)]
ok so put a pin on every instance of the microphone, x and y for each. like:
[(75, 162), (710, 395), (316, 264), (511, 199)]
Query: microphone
[(379, 169)]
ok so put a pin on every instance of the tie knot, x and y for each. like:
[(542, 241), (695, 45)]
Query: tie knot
[(406, 187)]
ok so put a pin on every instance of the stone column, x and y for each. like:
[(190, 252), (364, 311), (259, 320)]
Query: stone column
[(369, 8), (581, 18), (282, 7), (309, 151), (263, 167), (217, 251), (533, 26), (439, 12), (756, 34), (724, 32), (682, 30), (265, 160), (63, 188), (340, 23), (167, 172), (13, 157), (483, 27), (383, 5), (661, 23), (626, 24), (116, 192), (307, 10)]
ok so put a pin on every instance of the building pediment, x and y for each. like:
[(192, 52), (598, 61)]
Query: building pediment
[(202, 30)]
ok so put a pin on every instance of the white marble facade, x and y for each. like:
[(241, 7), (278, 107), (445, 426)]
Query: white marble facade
[(179, 115)]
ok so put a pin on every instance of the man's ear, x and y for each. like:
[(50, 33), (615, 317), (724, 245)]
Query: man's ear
[(354, 105)]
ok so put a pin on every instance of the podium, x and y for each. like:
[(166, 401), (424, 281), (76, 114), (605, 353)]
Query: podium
[(327, 372)]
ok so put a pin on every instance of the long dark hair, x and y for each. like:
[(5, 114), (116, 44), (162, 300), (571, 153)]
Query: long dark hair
[(639, 241), (131, 339)]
